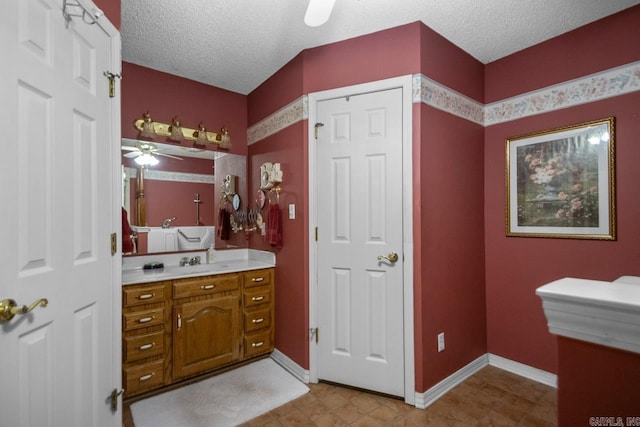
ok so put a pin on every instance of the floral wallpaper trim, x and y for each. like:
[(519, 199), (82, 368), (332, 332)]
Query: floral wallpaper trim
[(595, 87), (443, 98), (173, 176), (294, 112), (614, 82)]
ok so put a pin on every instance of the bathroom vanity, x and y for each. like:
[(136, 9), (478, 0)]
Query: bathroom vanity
[(180, 322)]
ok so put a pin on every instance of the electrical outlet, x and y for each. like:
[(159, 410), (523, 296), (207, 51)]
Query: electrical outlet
[(441, 341)]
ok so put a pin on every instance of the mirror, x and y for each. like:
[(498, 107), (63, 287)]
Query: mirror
[(181, 190)]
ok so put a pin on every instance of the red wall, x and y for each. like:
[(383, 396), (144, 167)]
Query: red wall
[(609, 389), (515, 266), (111, 9), (447, 185)]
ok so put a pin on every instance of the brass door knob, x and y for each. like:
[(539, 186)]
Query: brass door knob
[(9, 308), (392, 257)]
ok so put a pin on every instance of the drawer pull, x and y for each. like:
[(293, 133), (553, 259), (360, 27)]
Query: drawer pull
[(146, 346), (145, 319), (257, 344), (257, 279), (260, 298), (146, 296), (145, 377), (260, 320), (207, 287)]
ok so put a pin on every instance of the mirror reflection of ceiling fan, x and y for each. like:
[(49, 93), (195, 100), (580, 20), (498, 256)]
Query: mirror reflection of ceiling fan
[(144, 153)]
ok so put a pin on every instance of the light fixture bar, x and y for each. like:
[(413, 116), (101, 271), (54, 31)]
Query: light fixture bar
[(163, 129)]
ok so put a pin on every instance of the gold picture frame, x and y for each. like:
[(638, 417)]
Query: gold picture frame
[(560, 183)]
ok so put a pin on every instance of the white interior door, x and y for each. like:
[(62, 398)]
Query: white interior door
[(58, 210), (360, 219)]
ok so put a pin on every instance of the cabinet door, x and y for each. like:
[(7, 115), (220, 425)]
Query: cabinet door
[(207, 334)]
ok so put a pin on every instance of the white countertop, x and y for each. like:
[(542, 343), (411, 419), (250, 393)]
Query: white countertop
[(605, 313), (226, 261)]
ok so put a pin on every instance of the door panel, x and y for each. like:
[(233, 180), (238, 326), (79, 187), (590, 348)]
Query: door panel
[(57, 216), (360, 298)]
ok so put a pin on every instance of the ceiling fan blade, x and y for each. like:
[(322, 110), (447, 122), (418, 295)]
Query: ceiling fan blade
[(127, 148), (167, 155), (132, 154)]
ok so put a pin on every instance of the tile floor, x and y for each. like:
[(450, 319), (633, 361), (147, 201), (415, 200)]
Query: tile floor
[(491, 397)]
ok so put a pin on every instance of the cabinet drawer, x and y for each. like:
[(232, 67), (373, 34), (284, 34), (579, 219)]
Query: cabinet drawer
[(185, 288), (256, 296), (259, 343), (144, 377), (141, 346), (258, 278), (142, 319), (257, 319), (142, 295)]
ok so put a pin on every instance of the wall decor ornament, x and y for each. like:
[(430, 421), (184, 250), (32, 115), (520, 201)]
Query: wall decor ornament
[(560, 183)]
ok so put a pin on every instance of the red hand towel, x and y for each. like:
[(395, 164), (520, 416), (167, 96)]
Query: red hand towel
[(224, 224), (274, 226), (127, 241)]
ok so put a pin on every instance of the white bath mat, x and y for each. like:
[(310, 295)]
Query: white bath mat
[(225, 400)]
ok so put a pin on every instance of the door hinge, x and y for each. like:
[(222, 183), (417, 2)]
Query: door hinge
[(315, 130), (112, 82), (314, 332), (316, 234), (114, 243), (114, 398)]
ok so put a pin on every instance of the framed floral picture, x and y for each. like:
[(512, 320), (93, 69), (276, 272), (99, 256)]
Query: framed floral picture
[(560, 183)]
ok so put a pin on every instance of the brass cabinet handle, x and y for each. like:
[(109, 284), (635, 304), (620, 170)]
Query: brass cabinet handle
[(9, 308), (260, 298), (257, 344), (146, 296), (392, 257), (258, 320), (207, 287), (257, 279), (146, 377)]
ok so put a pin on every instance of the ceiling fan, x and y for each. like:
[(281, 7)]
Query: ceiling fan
[(143, 153)]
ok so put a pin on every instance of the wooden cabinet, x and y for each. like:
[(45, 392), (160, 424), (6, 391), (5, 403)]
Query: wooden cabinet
[(145, 335), (179, 329), (207, 331)]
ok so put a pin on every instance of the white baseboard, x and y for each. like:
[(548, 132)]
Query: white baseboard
[(423, 400), (523, 370), (292, 367)]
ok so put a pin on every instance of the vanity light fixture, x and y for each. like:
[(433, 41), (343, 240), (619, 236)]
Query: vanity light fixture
[(176, 130), (318, 12), (151, 129), (147, 130)]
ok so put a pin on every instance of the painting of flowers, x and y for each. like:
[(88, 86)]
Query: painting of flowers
[(560, 182)]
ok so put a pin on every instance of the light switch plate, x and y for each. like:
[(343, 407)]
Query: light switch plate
[(292, 211)]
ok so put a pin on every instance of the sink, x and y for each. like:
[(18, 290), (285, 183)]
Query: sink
[(195, 237)]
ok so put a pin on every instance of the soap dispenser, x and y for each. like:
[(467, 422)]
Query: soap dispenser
[(211, 254)]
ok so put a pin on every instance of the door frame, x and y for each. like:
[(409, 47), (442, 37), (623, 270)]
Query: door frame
[(405, 83)]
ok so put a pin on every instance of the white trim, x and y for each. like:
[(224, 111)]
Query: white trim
[(404, 82), (523, 370), (424, 400), (290, 366)]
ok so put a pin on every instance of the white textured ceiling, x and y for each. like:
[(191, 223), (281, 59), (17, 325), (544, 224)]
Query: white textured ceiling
[(237, 44)]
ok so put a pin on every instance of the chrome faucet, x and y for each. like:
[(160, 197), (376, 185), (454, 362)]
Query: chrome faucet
[(167, 222)]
